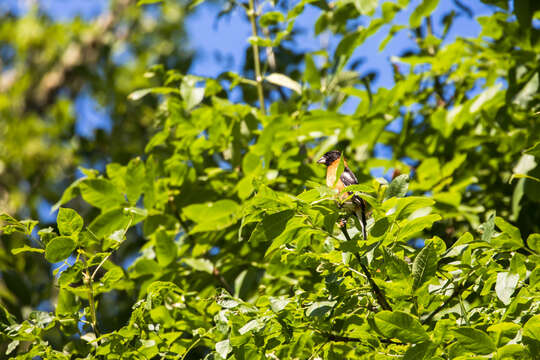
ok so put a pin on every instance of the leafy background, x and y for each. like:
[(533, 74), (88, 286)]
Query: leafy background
[(195, 223)]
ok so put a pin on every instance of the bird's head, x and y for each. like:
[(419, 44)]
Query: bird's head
[(329, 157)]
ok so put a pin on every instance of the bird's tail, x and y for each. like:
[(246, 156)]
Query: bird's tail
[(361, 215)]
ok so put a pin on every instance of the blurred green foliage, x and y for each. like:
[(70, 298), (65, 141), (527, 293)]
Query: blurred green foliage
[(46, 65), (209, 233)]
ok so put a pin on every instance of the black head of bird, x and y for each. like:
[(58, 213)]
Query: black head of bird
[(329, 157)]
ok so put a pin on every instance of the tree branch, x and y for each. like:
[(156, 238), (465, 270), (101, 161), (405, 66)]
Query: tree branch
[(379, 295), (251, 12)]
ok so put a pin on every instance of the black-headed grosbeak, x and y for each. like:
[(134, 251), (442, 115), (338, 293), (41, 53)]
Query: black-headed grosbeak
[(354, 203)]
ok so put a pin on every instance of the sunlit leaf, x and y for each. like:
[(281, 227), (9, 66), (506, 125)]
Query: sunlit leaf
[(285, 81), (505, 286), (59, 249), (474, 340), (69, 222), (421, 12), (424, 265), (101, 193)]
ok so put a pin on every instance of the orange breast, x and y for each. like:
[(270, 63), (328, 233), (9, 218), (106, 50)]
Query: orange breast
[(331, 174)]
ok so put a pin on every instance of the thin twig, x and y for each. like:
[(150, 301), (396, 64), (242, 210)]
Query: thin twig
[(108, 255), (381, 299), (88, 281), (223, 281), (190, 347)]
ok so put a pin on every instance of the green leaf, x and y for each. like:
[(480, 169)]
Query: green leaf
[(393, 31), (416, 225), (46, 235), (509, 229), (26, 248), (488, 227), (529, 91), (139, 94), (380, 227), (512, 352), (533, 241), (71, 274), (135, 180), (505, 286), (474, 340), (253, 325), (67, 303), (213, 216), (71, 192), (349, 43), (69, 222), (408, 205), (111, 221), (422, 11), (285, 81), (504, 331), (339, 170), (510, 237), (396, 267), (59, 249), (146, 2), (449, 168), (191, 94), (484, 97), (101, 193), (271, 18), (398, 187), (400, 325), (143, 267), (531, 334), (365, 7), (12, 346), (271, 226), (200, 264), (111, 278), (311, 73), (259, 41), (389, 10), (321, 308), (278, 304), (424, 265), (420, 351), (165, 248), (250, 163), (523, 176)]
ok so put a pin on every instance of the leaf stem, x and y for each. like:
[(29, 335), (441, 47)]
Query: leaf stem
[(251, 12)]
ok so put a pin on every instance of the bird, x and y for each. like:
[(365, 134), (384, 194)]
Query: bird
[(352, 203)]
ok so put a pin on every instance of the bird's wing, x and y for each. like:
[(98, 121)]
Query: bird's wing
[(348, 178)]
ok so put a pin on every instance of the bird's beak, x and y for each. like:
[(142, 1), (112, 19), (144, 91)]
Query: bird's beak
[(321, 161)]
